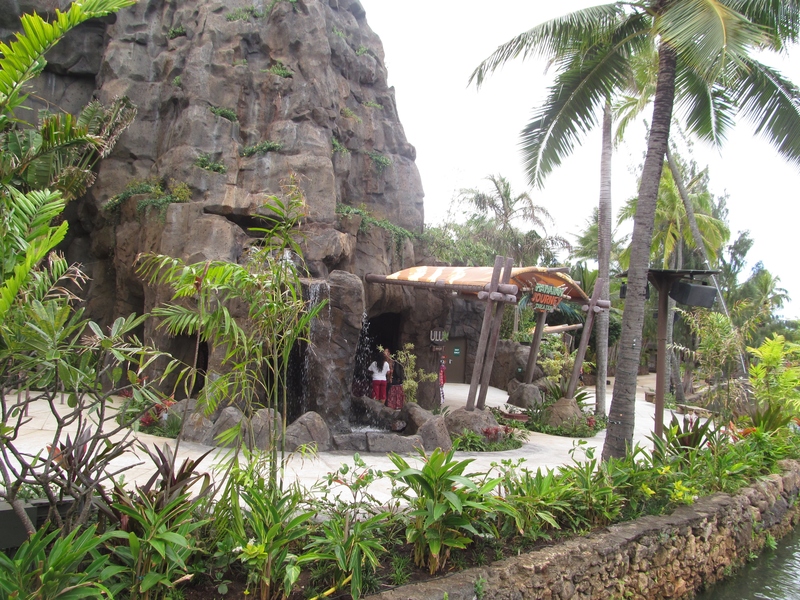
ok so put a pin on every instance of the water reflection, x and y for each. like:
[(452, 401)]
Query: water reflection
[(775, 575)]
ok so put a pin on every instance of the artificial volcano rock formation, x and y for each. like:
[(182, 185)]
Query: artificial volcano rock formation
[(233, 98)]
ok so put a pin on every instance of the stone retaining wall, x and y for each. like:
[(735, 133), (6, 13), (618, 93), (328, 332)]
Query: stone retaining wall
[(668, 556)]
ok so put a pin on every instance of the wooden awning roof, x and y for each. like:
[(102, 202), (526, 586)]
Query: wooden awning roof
[(473, 279)]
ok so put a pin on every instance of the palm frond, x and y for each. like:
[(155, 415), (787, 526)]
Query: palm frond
[(708, 109), (772, 103), (23, 58), (552, 38), (708, 34), (575, 98)]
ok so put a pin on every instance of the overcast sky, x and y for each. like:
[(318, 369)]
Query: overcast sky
[(462, 134)]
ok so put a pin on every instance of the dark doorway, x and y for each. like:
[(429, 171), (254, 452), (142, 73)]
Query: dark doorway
[(384, 330), (186, 350)]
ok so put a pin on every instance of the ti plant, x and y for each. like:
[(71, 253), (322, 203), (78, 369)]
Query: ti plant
[(446, 505)]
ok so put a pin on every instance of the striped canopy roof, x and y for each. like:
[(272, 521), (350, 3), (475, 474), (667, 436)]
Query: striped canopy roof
[(525, 278)]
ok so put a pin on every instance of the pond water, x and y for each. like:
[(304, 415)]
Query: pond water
[(775, 575)]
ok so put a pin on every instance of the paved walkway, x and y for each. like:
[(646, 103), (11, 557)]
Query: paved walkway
[(539, 450)]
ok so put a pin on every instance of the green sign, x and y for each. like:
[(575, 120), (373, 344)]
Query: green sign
[(456, 351)]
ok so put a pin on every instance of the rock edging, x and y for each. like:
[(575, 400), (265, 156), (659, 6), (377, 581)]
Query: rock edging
[(653, 557)]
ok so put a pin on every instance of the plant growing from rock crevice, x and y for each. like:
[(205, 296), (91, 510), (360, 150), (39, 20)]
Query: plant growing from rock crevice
[(260, 148), (204, 162), (380, 162), (225, 113)]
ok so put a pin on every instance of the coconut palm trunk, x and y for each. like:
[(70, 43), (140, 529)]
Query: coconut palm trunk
[(619, 435), (603, 260)]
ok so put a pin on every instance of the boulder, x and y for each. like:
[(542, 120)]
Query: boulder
[(262, 423), (372, 413), (391, 442), (565, 410), (434, 434), (526, 396), (510, 361), (197, 428), (228, 418), (415, 416), (350, 442), (477, 420), (309, 428)]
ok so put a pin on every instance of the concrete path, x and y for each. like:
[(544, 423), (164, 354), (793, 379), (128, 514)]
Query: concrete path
[(539, 450)]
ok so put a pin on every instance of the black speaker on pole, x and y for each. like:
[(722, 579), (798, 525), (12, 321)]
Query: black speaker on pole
[(692, 294)]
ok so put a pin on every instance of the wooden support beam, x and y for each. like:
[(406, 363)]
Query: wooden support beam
[(587, 332), (491, 349), (483, 341), (541, 318), (562, 328)]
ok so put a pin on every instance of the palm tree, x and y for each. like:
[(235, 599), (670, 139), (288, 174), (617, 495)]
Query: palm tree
[(704, 52), (496, 219)]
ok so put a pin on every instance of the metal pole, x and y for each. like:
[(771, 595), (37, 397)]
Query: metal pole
[(663, 286)]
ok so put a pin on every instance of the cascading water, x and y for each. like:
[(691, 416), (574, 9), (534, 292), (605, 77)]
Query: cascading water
[(363, 358)]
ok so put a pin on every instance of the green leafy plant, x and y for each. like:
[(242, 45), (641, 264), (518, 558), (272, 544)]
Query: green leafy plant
[(362, 50), (400, 569), (261, 148), (225, 113), (480, 588), (380, 162), (156, 544), (275, 526), (349, 114), (370, 104), (177, 193), (775, 380), (176, 81), (280, 70), (399, 235), (178, 31), (542, 500), (338, 146), (204, 162), (338, 32), (245, 14), (492, 439), (47, 566), (413, 375), (241, 62), (446, 505)]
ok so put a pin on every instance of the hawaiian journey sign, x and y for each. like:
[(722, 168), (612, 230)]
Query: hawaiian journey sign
[(546, 297)]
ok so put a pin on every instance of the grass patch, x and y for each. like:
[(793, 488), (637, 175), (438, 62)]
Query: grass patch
[(245, 14), (261, 148), (370, 104)]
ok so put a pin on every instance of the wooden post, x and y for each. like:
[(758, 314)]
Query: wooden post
[(541, 317), (587, 332), (477, 370), (493, 337)]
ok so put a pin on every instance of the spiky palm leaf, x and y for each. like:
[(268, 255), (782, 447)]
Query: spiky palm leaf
[(23, 58)]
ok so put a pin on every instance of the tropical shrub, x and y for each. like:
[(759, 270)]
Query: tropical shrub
[(445, 505)]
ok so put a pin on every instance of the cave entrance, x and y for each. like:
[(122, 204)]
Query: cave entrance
[(384, 331)]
